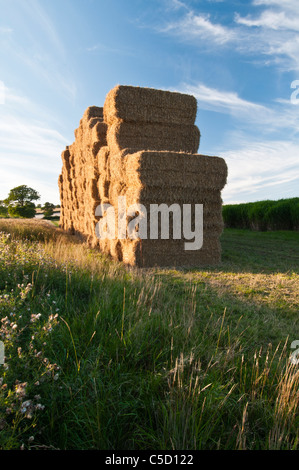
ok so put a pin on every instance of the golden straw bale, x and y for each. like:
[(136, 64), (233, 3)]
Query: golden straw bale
[(93, 112), (135, 104), (153, 136), (65, 156), (102, 158), (167, 169), (99, 132), (170, 253)]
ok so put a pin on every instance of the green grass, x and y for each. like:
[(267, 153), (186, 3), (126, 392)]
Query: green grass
[(158, 359)]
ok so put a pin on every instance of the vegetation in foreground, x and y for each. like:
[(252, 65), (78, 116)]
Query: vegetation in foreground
[(101, 356)]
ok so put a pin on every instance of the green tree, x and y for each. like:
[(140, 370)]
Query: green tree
[(3, 209), (48, 209), (21, 195), (20, 201), (27, 211)]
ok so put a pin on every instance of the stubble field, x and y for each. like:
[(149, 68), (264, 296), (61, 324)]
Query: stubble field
[(102, 356)]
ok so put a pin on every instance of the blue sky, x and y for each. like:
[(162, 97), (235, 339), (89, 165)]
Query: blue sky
[(239, 58)]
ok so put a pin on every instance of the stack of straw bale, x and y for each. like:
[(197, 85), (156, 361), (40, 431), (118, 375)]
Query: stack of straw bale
[(78, 180), (142, 145), (148, 119)]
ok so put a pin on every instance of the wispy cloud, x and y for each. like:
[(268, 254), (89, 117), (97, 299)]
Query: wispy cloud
[(276, 29), (176, 5), (277, 20), (222, 101), (282, 115), (37, 44), (5, 30), (289, 4), (30, 149), (273, 33), (104, 48), (193, 26), (261, 159), (255, 168), (33, 9)]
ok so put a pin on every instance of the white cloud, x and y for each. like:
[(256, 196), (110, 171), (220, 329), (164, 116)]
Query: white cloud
[(222, 101), (277, 20), (104, 48), (5, 30), (288, 4), (258, 170), (33, 9), (41, 49), (274, 33), (193, 26), (29, 149), (176, 5), (259, 167), (280, 115)]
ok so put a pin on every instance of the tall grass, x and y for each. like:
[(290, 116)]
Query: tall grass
[(263, 215), (119, 358)]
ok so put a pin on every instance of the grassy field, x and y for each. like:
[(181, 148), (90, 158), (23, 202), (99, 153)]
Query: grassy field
[(102, 356)]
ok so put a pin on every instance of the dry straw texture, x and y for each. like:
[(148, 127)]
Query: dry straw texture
[(153, 136), (134, 104), (78, 182), (142, 145)]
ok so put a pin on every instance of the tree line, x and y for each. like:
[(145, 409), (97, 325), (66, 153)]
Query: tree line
[(282, 214), (20, 203)]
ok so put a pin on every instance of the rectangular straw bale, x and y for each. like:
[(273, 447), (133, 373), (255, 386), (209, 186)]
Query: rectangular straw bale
[(156, 194), (212, 217), (116, 167), (60, 181), (65, 156), (168, 169), (103, 187), (153, 136), (169, 253), (102, 158), (99, 132), (92, 189), (135, 104), (93, 112)]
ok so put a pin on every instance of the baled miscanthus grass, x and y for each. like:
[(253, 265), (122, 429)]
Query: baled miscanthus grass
[(123, 358)]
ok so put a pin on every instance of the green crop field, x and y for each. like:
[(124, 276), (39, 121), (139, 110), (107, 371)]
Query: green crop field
[(102, 356)]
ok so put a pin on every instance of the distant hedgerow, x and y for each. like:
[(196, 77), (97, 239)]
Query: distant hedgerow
[(263, 215)]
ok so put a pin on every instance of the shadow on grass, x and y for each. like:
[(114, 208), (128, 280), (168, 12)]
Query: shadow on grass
[(257, 252)]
